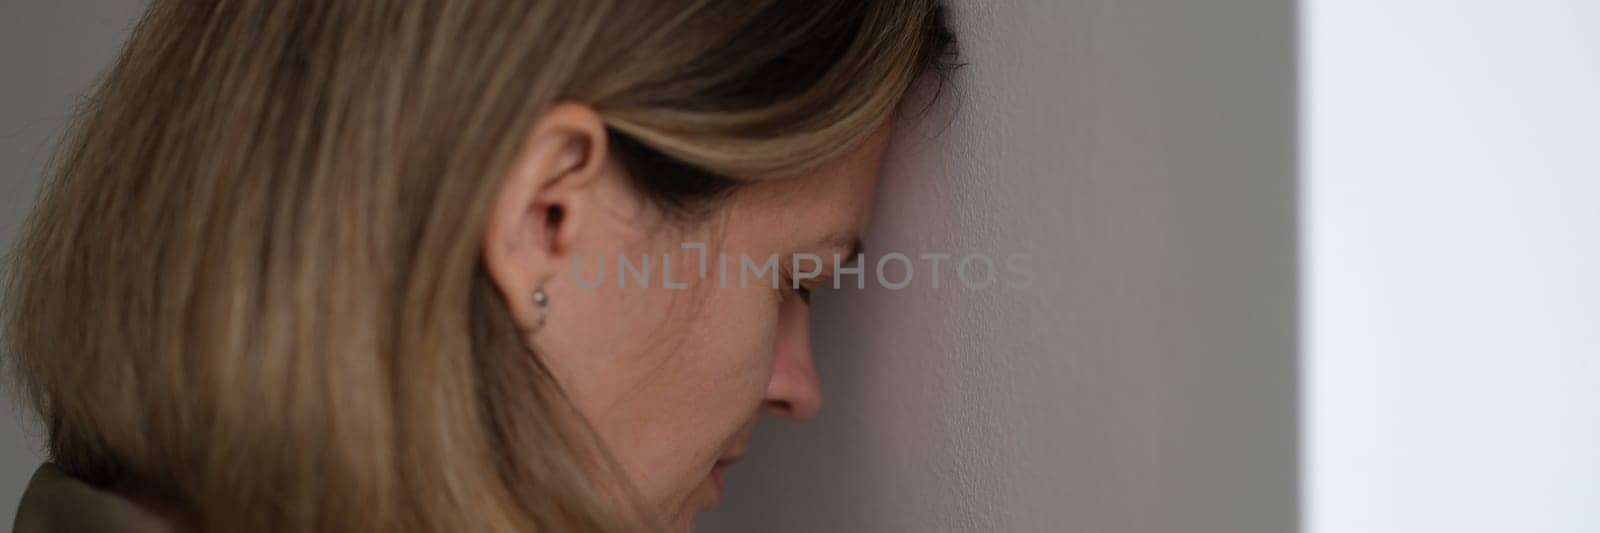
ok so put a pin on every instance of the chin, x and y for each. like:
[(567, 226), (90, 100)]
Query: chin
[(703, 498)]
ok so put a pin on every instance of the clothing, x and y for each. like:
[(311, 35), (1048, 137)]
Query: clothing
[(56, 502)]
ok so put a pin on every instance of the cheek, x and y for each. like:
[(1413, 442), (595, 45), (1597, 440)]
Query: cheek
[(716, 351), (738, 327), (717, 374), (700, 386)]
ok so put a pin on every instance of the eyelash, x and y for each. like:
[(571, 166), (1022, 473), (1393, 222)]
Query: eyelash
[(800, 290), (805, 294)]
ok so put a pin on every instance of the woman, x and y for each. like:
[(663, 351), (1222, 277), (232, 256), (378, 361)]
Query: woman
[(331, 265)]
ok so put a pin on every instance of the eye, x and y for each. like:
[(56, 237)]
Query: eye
[(799, 289), (805, 293)]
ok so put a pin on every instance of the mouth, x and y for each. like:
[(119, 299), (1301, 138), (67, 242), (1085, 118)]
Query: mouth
[(717, 480)]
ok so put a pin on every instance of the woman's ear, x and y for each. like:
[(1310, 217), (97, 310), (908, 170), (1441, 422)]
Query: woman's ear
[(542, 204)]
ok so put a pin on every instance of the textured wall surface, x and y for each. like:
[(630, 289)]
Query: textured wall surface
[(49, 51), (1143, 152)]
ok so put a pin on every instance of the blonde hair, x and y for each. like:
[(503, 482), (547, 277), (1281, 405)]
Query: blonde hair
[(251, 286)]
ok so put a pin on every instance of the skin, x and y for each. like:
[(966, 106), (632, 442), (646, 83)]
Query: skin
[(672, 379)]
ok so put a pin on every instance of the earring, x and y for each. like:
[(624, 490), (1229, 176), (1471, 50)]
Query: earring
[(539, 299)]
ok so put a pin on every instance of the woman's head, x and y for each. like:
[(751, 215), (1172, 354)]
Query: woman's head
[(670, 366), (284, 274)]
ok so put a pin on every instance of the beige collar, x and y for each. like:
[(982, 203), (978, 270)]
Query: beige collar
[(56, 502)]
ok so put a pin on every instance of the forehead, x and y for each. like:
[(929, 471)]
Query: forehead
[(834, 199)]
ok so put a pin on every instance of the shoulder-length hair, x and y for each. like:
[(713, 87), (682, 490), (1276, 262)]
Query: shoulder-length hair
[(251, 286)]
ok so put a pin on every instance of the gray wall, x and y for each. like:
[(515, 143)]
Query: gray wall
[(1140, 150), (50, 51), (1143, 152)]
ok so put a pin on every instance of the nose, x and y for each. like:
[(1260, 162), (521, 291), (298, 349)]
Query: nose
[(793, 390)]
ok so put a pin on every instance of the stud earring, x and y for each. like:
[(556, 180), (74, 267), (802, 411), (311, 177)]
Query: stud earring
[(543, 302)]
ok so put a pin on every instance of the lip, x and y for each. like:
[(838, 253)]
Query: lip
[(728, 459), (717, 479)]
